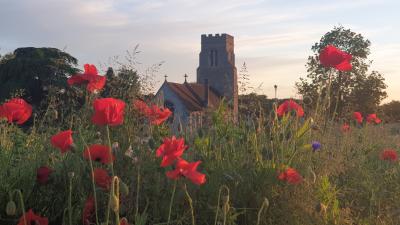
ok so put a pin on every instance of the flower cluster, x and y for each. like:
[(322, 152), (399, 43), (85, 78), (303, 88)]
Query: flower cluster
[(171, 151), (291, 176), (94, 81), (156, 115), (288, 106)]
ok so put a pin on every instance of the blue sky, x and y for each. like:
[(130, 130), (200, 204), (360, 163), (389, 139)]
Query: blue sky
[(273, 37)]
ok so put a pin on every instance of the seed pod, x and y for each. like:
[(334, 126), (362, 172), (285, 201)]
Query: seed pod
[(123, 188), (114, 204), (11, 208)]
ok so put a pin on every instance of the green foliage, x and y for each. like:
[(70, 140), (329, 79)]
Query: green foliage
[(357, 89), (35, 70), (391, 111)]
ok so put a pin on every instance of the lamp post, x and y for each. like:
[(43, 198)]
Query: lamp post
[(276, 89)]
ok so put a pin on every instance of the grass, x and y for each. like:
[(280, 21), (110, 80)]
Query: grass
[(343, 183)]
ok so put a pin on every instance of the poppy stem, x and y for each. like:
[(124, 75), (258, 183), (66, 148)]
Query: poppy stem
[(21, 200), (263, 206), (70, 201), (190, 203), (171, 201), (112, 173), (93, 182)]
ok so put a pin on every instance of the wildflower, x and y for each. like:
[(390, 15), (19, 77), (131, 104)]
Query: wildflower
[(372, 118), (141, 106), (94, 81), (358, 117), (156, 115), (62, 140), (288, 106), (188, 170), (88, 210), (99, 153), (171, 149), (291, 176), (330, 56), (123, 221), (16, 110), (108, 111), (101, 178), (42, 174), (316, 145), (345, 127), (389, 155), (32, 218)]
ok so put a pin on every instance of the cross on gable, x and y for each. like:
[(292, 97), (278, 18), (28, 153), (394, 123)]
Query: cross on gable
[(186, 76), (165, 76)]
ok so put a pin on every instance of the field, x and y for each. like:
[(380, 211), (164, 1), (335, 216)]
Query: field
[(347, 179)]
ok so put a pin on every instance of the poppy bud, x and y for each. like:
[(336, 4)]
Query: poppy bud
[(114, 204), (11, 208), (123, 188)]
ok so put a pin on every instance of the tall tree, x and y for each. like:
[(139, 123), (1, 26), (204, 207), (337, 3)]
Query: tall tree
[(357, 89), (34, 71)]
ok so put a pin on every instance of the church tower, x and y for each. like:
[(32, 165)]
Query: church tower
[(217, 67)]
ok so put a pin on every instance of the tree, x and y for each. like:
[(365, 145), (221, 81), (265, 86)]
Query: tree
[(357, 89), (391, 111), (34, 71)]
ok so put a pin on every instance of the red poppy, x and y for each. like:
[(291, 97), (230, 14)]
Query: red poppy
[(330, 56), (123, 221), (389, 155), (99, 153), (188, 170), (42, 174), (288, 106), (141, 106), (291, 176), (345, 127), (90, 76), (372, 118), (88, 210), (171, 149), (158, 115), (108, 111), (62, 140), (101, 178), (16, 110), (32, 218), (358, 117)]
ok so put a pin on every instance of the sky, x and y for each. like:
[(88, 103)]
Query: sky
[(274, 38)]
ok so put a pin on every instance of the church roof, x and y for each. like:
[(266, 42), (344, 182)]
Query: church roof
[(193, 95)]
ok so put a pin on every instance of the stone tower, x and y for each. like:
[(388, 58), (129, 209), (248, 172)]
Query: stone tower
[(217, 67)]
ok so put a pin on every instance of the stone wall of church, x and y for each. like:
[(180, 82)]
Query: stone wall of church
[(217, 65)]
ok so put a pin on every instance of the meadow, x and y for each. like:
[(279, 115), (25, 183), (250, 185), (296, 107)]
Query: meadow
[(116, 162)]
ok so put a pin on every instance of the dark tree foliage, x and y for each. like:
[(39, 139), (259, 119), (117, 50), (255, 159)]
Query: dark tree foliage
[(124, 85), (254, 105), (391, 111), (34, 71), (357, 89)]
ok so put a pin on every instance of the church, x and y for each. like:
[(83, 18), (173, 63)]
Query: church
[(216, 82)]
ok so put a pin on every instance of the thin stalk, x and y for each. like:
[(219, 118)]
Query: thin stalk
[(171, 201), (70, 201), (21, 201), (112, 173), (137, 193), (93, 182), (264, 205), (190, 204)]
